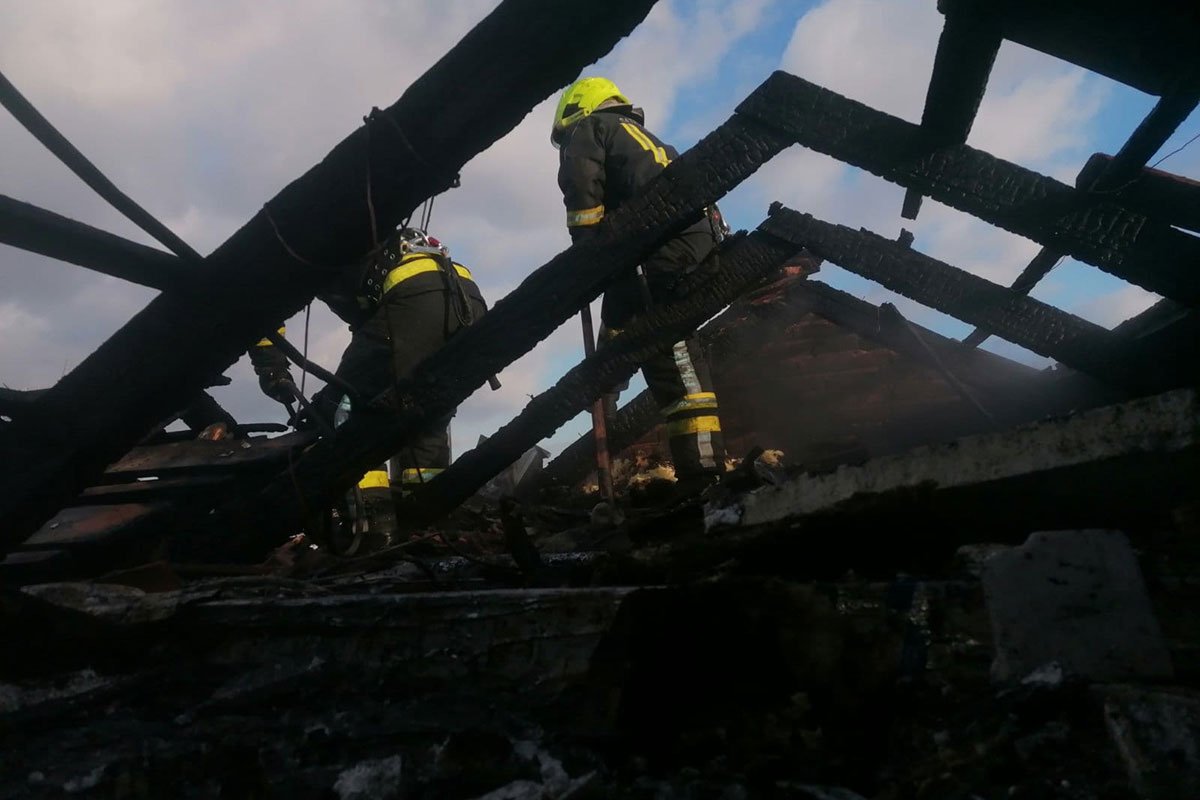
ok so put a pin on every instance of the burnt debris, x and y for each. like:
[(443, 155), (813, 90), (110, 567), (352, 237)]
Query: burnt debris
[(928, 571)]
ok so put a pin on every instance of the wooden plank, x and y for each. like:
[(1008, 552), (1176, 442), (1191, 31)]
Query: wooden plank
[(92, 524), (1093, 228), (963, 62), (46, 233), (200, 457), (1153, 131), (1145, 45), (270, 268), (149, 491), (1030, 323)]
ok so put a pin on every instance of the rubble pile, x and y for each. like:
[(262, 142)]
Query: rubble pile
[(928, 573)]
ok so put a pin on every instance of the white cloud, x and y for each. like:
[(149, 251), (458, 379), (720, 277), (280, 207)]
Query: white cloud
[(1114, 308)]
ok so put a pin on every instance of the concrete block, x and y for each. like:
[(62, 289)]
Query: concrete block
[(1077, 598)]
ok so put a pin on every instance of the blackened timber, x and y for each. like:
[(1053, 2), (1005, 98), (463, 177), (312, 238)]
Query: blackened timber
[(269, 269), (1153, 131), (1162, 195), (1145, 45), (1092, 228), (745, 261), (46, 233), (1022, 320), (966, 52), (66, 152), (544, 300), (1037, 268)]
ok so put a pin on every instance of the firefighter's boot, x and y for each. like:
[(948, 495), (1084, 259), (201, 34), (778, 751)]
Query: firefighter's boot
[(379, 512)]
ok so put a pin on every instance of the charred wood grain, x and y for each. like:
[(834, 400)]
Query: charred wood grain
[(1030, 323), (966, 51), (1095, 229), (1158, 194), (46, 233), (518, 55), (1106, 178), (542, 302), (742, 264)]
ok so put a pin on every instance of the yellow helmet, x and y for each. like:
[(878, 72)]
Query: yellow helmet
[(580, 99)]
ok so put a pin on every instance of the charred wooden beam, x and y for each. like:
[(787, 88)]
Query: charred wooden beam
[(1145, 45), (66, 152), (283, 256), (1092, 228), (1112, 175), (965, 54), (46, 233), (543, 301), (1030, 323), (1158, 194), (743, 263)]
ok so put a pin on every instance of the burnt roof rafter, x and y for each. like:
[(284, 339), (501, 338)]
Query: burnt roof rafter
[(1093, 228)]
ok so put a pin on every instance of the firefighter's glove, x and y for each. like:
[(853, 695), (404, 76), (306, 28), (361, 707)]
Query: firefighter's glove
[(278, 386)]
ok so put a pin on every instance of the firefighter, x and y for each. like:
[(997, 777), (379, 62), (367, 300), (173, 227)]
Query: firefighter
[(402, 304), (606, 155)]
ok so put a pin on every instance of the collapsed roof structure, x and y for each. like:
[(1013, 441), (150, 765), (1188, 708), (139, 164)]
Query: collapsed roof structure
[(1108, 440)]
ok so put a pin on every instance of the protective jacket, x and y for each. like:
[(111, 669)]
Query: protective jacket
[(607, 158)]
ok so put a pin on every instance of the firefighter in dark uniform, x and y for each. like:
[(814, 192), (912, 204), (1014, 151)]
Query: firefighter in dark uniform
[(606, 155), (402, 304)]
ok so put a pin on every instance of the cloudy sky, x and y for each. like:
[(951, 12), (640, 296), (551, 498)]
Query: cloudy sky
[(203, 111)]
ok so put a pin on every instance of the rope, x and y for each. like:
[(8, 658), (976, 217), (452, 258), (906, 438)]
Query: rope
[(266, 209)]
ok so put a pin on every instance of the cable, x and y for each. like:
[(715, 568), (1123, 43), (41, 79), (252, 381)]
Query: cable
[(1176, 150)]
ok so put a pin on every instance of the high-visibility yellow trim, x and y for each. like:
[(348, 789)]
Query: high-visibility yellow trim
[(687, 427), (375, 479), (415, 266), (414, 475), (265, 342), (691, 402), (586, 216), (639, 136)]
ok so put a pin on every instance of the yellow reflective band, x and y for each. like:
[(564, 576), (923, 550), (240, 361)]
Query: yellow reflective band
[(587, 216), (417, 266), (413, 475), (691, 402), (660, 155), (687, 427), (375, 479), (265, 342)]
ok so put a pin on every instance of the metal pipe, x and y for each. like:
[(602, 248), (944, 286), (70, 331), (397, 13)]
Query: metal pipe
[(599, 428)]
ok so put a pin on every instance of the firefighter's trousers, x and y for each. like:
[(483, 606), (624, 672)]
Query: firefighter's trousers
[(403, 331), (679, 380)]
